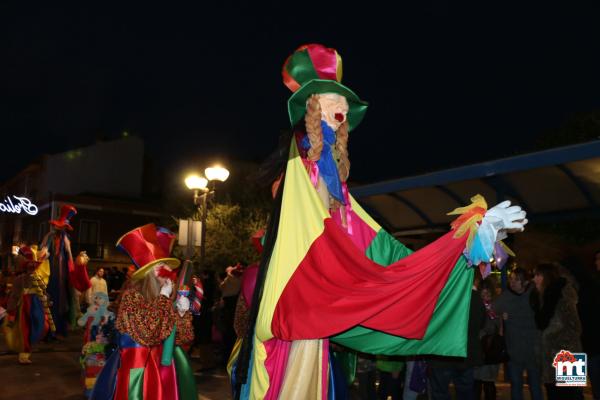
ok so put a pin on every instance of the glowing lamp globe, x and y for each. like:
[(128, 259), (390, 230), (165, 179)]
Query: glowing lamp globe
[(216, 173), (195, 182)]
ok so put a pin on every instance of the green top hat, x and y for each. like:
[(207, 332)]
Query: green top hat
[(313, 69)]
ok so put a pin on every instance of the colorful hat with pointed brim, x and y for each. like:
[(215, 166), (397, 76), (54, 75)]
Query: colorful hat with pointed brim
[(27, 258), (67, 212), (148, 246), (314, 69)]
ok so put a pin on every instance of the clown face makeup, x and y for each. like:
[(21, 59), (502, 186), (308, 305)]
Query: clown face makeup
[(334, 109)]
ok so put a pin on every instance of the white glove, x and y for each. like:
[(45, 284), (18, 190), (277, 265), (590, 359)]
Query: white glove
[(502, 219), (167, 288), (182, 305)]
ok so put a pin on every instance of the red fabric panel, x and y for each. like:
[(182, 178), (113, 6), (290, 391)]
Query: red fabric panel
[(78, 276), (132, 357), (152, 384), (336, 287)]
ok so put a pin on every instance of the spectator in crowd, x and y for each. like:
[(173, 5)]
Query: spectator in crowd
[(523, 339), (415, 378), (230, 288), (118, 278), (98, 285), (109, 277), (554, 303), (366, 374), (390, 380), (485, 375), (592, 330), (444, 370), (206, 318), (588, 307)]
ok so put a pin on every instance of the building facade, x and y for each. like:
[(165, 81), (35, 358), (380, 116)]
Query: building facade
[(105, 184)]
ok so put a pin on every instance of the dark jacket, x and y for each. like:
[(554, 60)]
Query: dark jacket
[(588, 306), (556, 316), (520, 331)]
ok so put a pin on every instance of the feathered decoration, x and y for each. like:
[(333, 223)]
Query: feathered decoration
[(469, 219)]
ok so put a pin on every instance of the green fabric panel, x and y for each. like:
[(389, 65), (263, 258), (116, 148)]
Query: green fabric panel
[(186, 383), (385, 249), (136, 384), (168, 345), (301, 68), (448, 324)]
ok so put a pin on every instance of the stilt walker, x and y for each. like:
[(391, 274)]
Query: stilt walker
[(65, 276), (330, 272)]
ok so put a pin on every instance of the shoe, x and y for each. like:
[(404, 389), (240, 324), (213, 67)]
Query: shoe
[(24, 358)]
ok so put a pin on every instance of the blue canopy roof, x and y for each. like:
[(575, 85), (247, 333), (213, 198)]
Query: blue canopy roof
[(551, 185)]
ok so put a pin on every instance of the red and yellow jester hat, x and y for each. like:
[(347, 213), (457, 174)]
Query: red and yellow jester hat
[(312, 69), (148, 246), (67, 212), (27, 259)]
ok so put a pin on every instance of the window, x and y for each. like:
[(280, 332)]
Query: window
[(88, 232), (89, 239)]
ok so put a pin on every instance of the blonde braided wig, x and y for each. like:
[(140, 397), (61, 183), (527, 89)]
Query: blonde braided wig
[(312, 120), (341, 151)]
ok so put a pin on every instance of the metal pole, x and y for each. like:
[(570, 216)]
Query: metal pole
[(190, 239), (203, 228)]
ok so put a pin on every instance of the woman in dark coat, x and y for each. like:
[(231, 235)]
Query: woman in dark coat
[(554, 302)]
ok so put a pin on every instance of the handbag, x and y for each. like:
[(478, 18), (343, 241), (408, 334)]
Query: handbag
[(494, 347)]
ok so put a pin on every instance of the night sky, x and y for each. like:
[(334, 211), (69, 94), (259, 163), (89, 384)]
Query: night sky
[(448, 84)]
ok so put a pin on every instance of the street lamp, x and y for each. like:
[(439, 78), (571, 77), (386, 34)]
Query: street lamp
[(216, 173), (203, 188)]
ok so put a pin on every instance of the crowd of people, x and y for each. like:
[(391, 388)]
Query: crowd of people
[(522, 327)]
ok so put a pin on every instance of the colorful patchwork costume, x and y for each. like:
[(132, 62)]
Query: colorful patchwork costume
[(29, 317), (145, 367), (330, 272)]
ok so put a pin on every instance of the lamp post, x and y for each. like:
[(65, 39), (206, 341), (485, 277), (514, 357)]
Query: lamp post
[(203, 188)]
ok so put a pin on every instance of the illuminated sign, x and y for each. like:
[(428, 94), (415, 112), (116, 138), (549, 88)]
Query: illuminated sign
[(17, 205)]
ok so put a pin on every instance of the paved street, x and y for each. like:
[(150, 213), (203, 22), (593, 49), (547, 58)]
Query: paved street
[(56, 374)]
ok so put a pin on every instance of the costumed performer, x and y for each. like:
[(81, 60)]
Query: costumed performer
[(99, 329), (96, 315), (322, 274), (65, 275), (29, 318), (143, 367)]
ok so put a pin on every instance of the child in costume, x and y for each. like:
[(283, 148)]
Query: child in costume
[(96, 315), (29, 317), (145, 367), (99, 326), (322, 274)]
